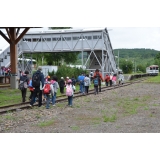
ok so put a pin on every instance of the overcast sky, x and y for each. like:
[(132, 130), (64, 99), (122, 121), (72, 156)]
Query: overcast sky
[(135, 37)]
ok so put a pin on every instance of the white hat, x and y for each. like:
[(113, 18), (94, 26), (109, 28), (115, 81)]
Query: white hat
[(62, 78), (40, 68), (67, 77)]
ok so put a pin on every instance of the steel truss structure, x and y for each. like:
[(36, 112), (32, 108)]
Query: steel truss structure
[(95, 42)]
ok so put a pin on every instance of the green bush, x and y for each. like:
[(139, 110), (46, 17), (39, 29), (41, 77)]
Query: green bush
[(65, 71)]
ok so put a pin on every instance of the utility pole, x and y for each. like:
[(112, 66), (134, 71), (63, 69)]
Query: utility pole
[(118, 60)]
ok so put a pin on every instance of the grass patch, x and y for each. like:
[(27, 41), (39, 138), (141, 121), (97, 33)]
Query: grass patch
[(77, 106), (146, 108), (60, 105), (155, 79), (130, 108), (151, 115), (46, 123), (145, 98), (38, 116), (75, 128), (9, 117), (112, 118), (155, 104), (136, 99)]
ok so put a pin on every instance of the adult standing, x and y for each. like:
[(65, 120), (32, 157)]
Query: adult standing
[(87, 82), (61, 85), (24, 79), (97, 74), (37, 83), (81, 82), (91, 75)]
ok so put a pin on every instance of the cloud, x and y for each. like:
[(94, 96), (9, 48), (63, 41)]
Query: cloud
[(135, 37)]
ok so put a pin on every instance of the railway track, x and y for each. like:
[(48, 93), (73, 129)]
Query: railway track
[(20, 106)]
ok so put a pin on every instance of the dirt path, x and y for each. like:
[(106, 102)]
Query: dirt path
[(131, 109)]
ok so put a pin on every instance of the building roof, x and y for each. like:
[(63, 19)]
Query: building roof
[(67, 30)]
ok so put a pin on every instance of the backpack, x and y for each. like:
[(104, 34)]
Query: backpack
[(96, 81), (23, 85), (73, 81), (47, 88), (86, 82), (36, 80), (68, 91), (30, 83)]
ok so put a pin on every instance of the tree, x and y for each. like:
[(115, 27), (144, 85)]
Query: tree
[(141, 68), (58, 58), (127, 66), (157, 60)]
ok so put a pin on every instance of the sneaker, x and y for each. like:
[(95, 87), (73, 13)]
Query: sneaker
[(30, 105), (47, 108), (70, 105), (54, 105)]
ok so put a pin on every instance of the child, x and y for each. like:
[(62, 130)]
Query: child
[(55, 88), (31, 89), (69, 92), (48, 95), (107, 78), (96, 82), (114, 79)]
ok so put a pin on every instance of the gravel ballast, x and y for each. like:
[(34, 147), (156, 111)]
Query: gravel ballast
[(130, 109)]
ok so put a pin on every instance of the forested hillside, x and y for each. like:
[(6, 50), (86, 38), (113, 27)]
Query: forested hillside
[(136, 53), (141, 56)]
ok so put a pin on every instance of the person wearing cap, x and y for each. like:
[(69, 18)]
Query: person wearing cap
[(66, 81), (61, 85), (38, 89)]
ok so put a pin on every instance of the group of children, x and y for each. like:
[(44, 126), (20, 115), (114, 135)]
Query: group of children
[(48, 87), (112, 79)]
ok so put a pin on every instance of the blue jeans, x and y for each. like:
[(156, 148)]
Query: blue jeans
[(54, 98), (70, 99), (47, 100), (82, 87)]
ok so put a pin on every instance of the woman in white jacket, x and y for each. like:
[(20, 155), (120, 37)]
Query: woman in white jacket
[(87, 83), (121, 78)]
